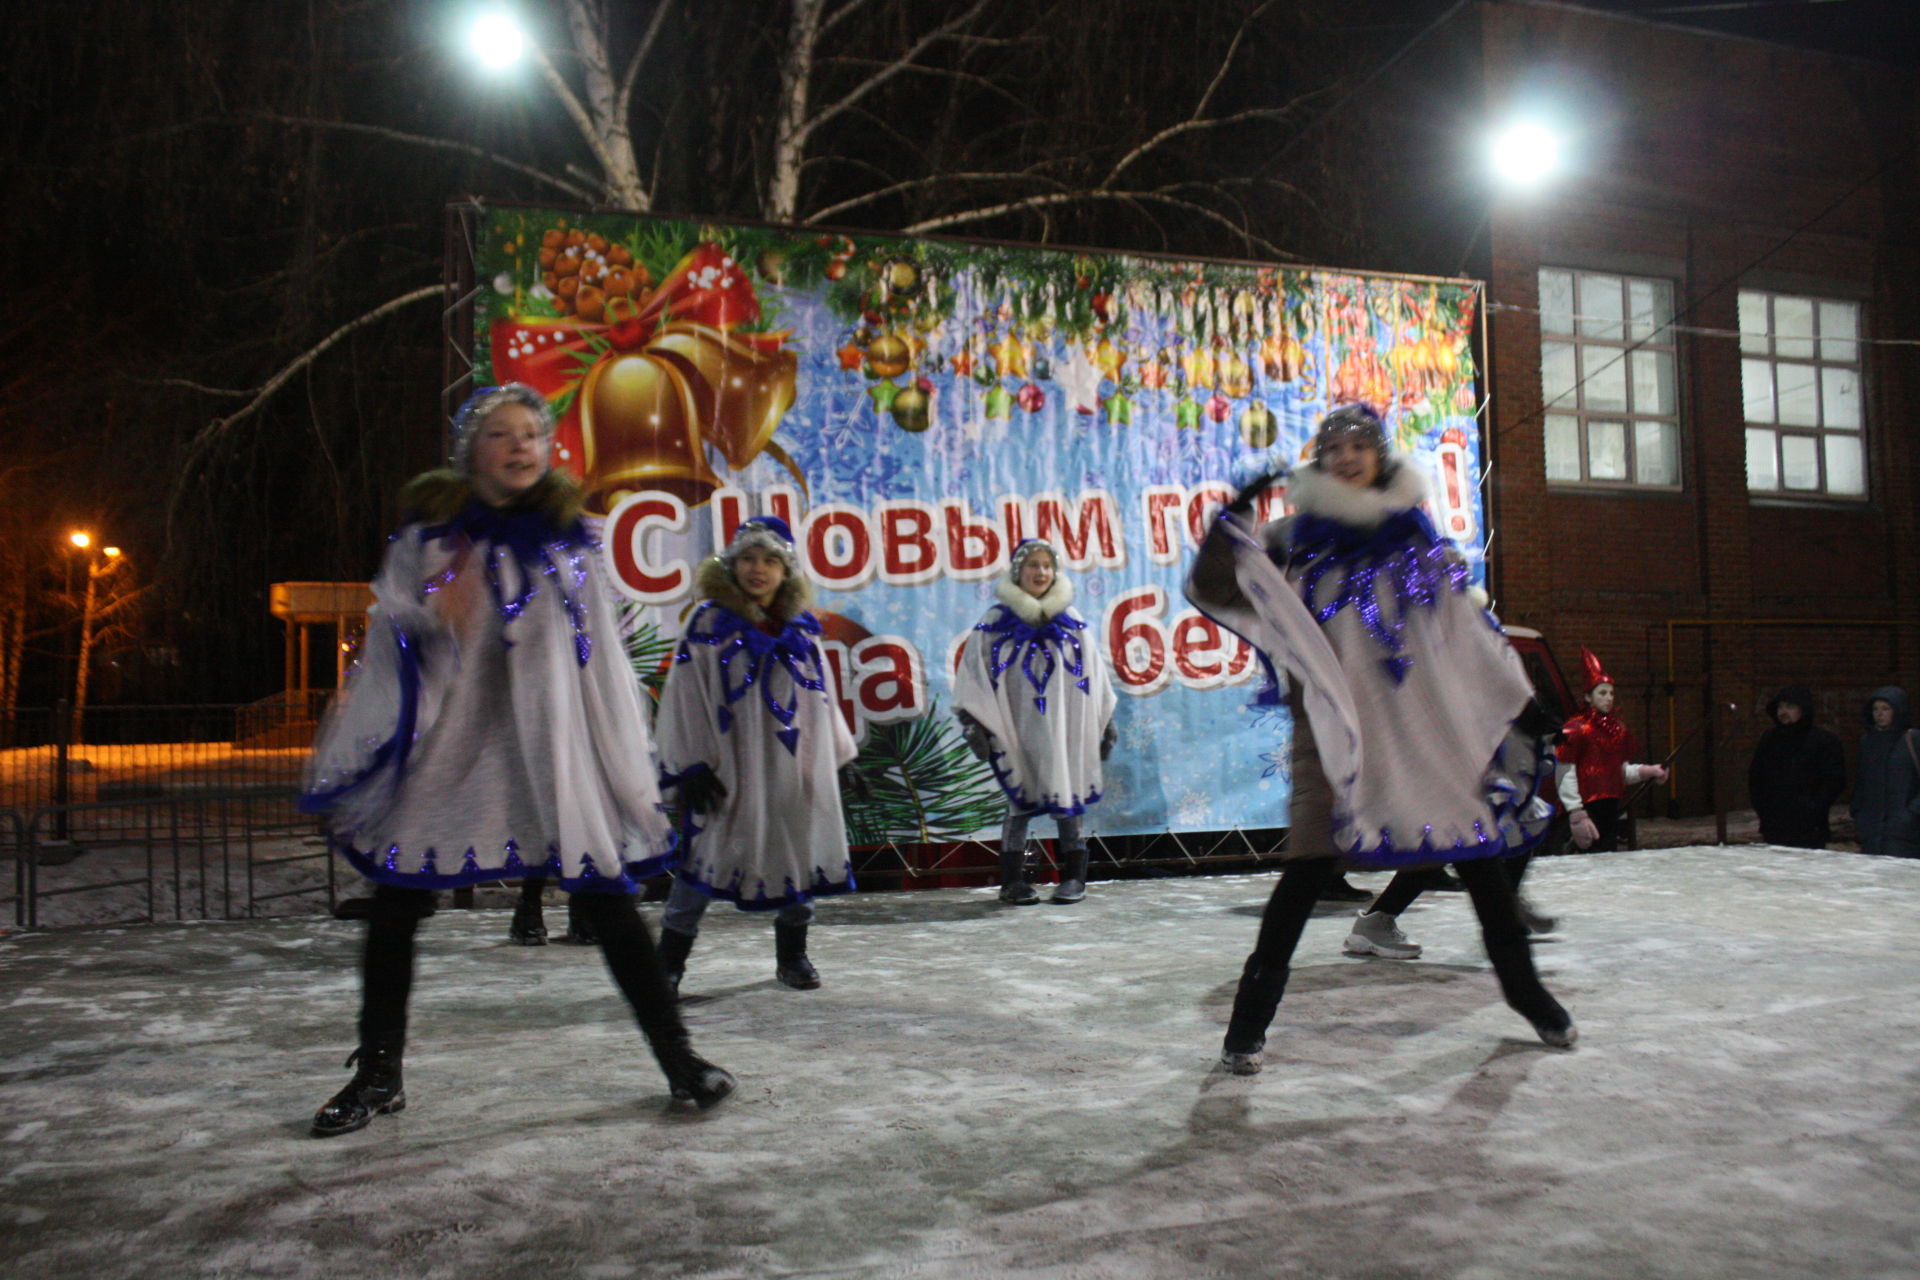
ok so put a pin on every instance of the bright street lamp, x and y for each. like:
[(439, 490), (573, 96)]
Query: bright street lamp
[(1525, 154), (80, 539), (497, 40)]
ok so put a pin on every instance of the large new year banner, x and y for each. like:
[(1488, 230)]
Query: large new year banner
[(913, 408)]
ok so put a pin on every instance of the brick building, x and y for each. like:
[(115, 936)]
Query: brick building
[(1702, 425)]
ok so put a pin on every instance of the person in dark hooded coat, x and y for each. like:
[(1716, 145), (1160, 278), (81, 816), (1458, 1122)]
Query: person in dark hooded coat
[(1886, 799), (1798, 771)]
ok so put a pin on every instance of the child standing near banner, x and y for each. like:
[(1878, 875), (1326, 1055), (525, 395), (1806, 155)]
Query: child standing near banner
[(1404, 693), (752, 737), (1034, 700), (493, 729)]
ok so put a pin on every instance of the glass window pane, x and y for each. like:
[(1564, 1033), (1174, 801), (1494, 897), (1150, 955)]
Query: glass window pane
[(1799, 390), (1556, 302), (1563, 447), (1800, 462), (1607, 450), (1557, 373), (1846, 475), (1793, 327), (1654, 453), (1839, 326), (1600, 307), (1753, 324), (1652, 382), (1649, 306), (1605, 387), (1763, 469), (1840, 399), (1756, 388)]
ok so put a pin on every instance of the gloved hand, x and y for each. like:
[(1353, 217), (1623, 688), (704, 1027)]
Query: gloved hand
[(1108, 736), (702, 792), (1244, 500), (1654, 773), (979, 740), (855, 784), (1584, 832)]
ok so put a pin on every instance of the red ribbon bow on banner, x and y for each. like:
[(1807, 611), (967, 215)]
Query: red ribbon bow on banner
[(653, 387)]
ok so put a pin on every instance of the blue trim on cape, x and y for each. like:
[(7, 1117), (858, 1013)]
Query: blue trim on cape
[(1025, 803), (533, 541), (396, 748), (384, 868), (822, 887)]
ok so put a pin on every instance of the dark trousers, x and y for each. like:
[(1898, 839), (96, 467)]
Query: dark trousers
[(1263, 979), (386, 966)]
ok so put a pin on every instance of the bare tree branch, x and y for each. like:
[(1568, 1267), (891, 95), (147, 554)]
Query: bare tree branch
[(1042, 203), (214, 430), (892, 69), (195, 386), (841, 15), (623, 101), (425, 140)]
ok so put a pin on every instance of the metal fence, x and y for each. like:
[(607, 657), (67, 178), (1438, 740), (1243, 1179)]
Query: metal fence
[(50, 756), (216, 855)]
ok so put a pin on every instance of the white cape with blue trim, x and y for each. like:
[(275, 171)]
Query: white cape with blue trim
[(1412, 763), (1045, 760), (779, 835), (466, 747)]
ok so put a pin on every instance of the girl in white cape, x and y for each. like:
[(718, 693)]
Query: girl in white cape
[(1037, 707), (1404, 693), (492, 729), (752, 737)]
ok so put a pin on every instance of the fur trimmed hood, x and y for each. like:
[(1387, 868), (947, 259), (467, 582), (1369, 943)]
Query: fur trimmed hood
[(1318, 493), (1031, 609), (714, 581), (435, 497)]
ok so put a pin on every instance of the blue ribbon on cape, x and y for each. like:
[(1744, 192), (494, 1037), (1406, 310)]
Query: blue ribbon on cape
[(748, 655), (1017, 640)]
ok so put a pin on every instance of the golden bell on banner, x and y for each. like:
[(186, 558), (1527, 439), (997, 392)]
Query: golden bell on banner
[(647, 415)]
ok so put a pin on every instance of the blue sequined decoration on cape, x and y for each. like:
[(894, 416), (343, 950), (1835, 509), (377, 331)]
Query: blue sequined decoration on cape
[(748, 655), (1405, 552), (1016, 640), (540, 551)]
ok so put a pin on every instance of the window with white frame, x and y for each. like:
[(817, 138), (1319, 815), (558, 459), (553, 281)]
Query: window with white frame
[(1607, 379), (1800, 379)]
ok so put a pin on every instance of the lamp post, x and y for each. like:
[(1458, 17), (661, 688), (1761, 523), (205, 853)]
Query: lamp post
[(103, 565)]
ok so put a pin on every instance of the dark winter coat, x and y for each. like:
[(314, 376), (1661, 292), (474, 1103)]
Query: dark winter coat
[(1886, 799), (1798, 771)]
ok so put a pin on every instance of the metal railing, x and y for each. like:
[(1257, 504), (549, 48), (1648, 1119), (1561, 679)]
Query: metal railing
[(192, 856), (48, 756)]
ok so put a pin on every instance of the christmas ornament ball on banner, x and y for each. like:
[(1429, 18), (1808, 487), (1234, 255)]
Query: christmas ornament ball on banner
[(914, 408)]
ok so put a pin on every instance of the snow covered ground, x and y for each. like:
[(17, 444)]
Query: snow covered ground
[(989, 1091)]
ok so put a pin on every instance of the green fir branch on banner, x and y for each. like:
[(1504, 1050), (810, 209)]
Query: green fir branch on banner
[(649, 650), (925, 785)]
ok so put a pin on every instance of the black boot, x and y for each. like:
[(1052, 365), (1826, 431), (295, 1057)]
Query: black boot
[(1254, 1002), (791, 965), (529, 927), (1513, 966), (1013, 879), (673, 951), (691, 1077), (580, 930), (375, 1090), (1073, 876)]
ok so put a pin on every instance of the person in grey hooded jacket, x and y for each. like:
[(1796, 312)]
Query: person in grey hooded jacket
[(1886, 798)]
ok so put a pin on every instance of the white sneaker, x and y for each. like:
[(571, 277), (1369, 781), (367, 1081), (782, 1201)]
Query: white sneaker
[(1375, 933)]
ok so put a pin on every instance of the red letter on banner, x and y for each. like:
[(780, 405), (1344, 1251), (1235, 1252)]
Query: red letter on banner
[(1137, 642), (1087, 540), (909, 556), (892, 684), (626, 532), (974, 546), (838, 547)]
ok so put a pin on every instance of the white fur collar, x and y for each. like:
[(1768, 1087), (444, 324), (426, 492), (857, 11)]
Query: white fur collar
[(1034, 610), (1316, 492)]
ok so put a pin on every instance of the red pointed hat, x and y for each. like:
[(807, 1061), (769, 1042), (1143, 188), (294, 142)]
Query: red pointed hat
[(1596, 674)]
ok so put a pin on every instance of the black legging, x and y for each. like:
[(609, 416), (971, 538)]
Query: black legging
[(386, 967), (1263, 980)]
